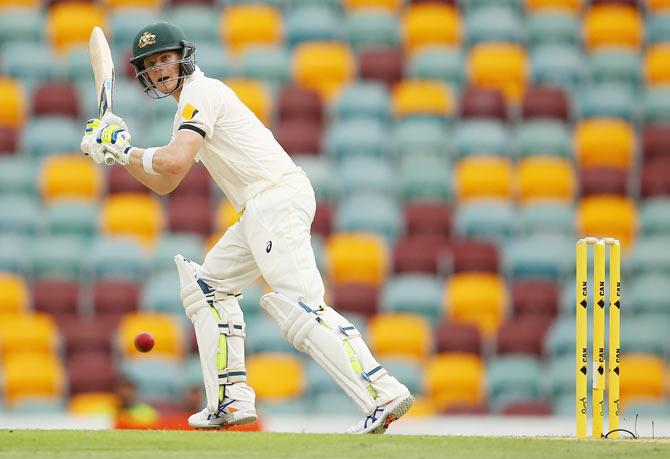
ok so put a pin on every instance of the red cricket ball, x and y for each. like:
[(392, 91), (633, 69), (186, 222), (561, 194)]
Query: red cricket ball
[(144, 342)]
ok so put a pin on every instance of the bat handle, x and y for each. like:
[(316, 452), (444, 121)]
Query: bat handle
[(109, 159)]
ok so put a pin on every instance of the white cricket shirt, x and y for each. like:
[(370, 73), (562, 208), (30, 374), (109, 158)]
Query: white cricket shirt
[(241, 154)]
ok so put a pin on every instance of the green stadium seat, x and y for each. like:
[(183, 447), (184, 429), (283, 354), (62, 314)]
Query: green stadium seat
[(356, 137), (21, 25), (419, 137), (124, 24), (13, 249), (18, 175), (543, 137), (616, 66), (493, 24), (540, 257), (513, 378), (312, 23), (654, 215), (214, 61), (74, 218), (197, 22), (77, 66), (416, 294), (438, 63), (365, 175), (425, 178), (21, 216), (57, 257), (111, 258), (558, 65), (649, 256), (486, 219), (406, 370), (649, 294), (161, 294), (547, 218), (372, 29), (657, 28), (607, 101), (561, 378), (553, 28), (318, 169), (155, 379), (170, 244), (263, 335), (646, 334), (50, 135), (32, 63), (369, 213), (656, 105), (270, 64), (362, 100), (482, 137)]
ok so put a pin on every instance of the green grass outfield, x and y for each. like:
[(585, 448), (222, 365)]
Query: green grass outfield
[(71, 444)]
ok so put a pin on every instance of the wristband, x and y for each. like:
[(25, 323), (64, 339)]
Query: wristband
[(148, 159)]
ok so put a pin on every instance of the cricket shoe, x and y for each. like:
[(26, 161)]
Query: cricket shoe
[(381, 417), (230, 413)]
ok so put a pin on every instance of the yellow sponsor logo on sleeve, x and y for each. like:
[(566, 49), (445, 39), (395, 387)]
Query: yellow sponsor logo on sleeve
[(189, 112)]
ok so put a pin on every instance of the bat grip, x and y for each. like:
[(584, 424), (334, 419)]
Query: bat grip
[(109, 159)]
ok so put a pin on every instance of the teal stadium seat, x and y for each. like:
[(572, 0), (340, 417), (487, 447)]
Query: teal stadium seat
[(158, 132), (333, 404), (656, 105), (425, 178), (482, 137), (18, 175), (362, 100), (263, 335), (319, 170), (406, 370), (277, 3), (299, 406), (74, 218), (568, 295), (366, 175), (543, 137), (608, 101), (616, 66), (653, 409), (170, 244), (649, 294), (412, 137), (657, 28), (356, 137), (438, 63), (57, 257), (553, 28), (270, 64), (215, 61), (161, 294), (155, 379), (13, 249), (558, 65), (471, 6), (130, 102), (414, 293), (547, 218), (646, 334), (318, 381), (650, 256), (540, 257), (493, 24), (192, 372), (77, 66), (50, 135), (561, 378), (486, 219), (559, 342), (32, 63), (372, 29), (251, 296), (370, 213), (21, 25), (20, 216), (654, 215), (319, 249), (126, 22), (513, 378), (335, 5), (197, 22), (115, 258), (312, 23), (162, 110)]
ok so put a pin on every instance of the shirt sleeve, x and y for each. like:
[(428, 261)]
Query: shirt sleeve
[(198, 111)]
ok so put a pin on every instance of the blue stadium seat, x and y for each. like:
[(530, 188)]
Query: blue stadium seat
[(21, 216), (362, 100), (547, 218), (493, 220), (370, 213), (197, 22), (406, 370), (32, 63), (161, 294), (215, 61), (648, 294), (654, 215), (425, 178), (657, 28), (513, 378), (270, 64), (124, 23), (263, 335), (366, 175), (623, 67), (419, 137), (482, 137), (416, 294), (49, 135), (559, 341), (318, 169), (21, 25), (356, 137), (371, 28), (540, 257), (18, 175), (73, 218), (312, 23), (646, 334), (170, 244), (543, 137), (558, 65), (76, 66), (553, 28), (13, 249), (57, 257), (608, 101), (111, 258), (561, 377), (155, 379), (649, 256), (250, 301), (438, 63), (493, 24), (656, 105)]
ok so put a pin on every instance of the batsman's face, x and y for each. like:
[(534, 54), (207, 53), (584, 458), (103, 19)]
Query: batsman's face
[(163, 70)]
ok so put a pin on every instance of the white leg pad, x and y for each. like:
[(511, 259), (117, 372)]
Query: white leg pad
[(337, 347)]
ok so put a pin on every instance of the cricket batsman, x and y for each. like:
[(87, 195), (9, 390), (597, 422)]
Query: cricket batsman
[(271, 238)]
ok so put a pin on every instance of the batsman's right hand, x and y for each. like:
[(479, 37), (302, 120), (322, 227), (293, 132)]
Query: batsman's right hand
[(89, 146)]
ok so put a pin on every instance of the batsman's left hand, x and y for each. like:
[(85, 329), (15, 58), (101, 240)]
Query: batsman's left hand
[(115, 139)]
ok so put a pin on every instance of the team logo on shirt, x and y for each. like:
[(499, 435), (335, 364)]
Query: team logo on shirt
[(146, 39), (189, 112)]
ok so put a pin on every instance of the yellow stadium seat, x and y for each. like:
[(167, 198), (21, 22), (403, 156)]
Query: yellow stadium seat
[(604, 142), (430, 24), (276, 376), (423, 407), (420, 97), (657, 64), (69, 24), (34, 332), (399, 335), (255, 95), (133, 214), (642, 377), (483, 177), (388, 5), (479, 299), (94, 403), (226, 216), (572, 6), (70, 176), (11, 4), (608, 216), (357, 258), (501, 66), (144, 4), (323, 66), (455, 379), (251, 25), (545, 177), (29, 375), (613, 25), (658, 6), (14, 296), (13, 106), (165, 328)]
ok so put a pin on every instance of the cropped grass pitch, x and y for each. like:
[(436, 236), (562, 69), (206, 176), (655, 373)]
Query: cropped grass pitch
[(176, 444)]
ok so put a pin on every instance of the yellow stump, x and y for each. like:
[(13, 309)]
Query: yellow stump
[(598, 338), (581, 359), (614, 338)]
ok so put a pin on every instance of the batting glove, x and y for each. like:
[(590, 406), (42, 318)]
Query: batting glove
[(89, 146), (116, 140)]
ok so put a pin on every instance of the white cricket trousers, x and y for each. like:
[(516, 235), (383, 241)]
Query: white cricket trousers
[(272, 239)]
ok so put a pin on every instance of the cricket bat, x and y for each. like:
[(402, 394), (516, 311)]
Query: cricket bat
[(103, 70)]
